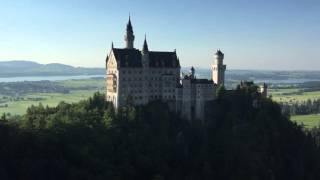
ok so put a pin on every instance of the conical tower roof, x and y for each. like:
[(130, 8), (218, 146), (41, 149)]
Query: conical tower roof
[(145, 44)]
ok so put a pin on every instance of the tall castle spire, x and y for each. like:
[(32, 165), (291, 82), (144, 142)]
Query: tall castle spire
[(145, 53), (145, 44), (129, 36)]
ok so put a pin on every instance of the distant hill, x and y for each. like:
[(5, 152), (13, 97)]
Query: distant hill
[(260, 75), (30, 68)]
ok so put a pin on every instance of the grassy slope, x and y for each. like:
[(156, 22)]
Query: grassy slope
[(308, 121), (52, 99), (280, 97), (99, 83)]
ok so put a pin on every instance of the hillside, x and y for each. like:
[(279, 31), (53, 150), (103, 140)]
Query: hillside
[(238, 139), (30, 68)]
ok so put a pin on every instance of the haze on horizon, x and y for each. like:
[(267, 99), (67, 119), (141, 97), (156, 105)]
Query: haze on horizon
[(275, 35)]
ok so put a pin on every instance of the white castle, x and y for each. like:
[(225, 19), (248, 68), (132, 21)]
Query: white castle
[(138, 77)]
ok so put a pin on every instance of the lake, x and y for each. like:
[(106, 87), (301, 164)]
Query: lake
[(48, 78), (202, 75)]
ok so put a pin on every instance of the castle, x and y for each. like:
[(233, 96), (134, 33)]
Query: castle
[(138, 77)]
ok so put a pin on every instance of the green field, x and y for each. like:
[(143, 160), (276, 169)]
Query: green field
[(293, 95), (309, 121), (50, 99), (83, 83), (78, 90)]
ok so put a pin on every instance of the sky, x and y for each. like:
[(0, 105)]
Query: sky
[(255, 34)]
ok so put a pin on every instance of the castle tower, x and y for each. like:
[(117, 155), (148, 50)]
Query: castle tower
[(192, 72), (218, 68), (145, 53), (145, 69), (264, 90), (129, 36)]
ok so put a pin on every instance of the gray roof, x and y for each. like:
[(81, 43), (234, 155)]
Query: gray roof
[(128, 57), (163, 59), (132, 58)]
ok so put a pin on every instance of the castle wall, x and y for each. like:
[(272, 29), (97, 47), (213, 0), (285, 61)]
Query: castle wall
[(137, 86), (131, 86), (112, 81), (186, 99), (205, 92)]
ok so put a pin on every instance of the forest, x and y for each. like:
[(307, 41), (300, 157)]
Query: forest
[(244, 136), (302, 108)]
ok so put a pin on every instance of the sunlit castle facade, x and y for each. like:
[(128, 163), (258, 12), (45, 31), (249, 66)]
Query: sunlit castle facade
[(138, 77)]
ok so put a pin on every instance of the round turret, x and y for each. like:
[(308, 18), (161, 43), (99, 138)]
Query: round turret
[(218, 68), (219, 54), (192, 72)]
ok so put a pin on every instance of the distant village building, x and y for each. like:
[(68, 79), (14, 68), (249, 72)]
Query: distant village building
[(138, 77)]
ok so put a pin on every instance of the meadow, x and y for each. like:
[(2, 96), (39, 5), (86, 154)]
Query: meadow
[(293, 95), (296, 95), (77, 91), (19, 107), (84, 88), (308, 121)]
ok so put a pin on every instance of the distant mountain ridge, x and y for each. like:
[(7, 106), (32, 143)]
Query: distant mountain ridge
[(29, 68), (20, 68)]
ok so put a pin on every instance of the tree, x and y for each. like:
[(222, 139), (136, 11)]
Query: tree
[(221, 91)]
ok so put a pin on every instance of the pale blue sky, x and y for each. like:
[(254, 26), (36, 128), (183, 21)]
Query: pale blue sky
[(256, 34)]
